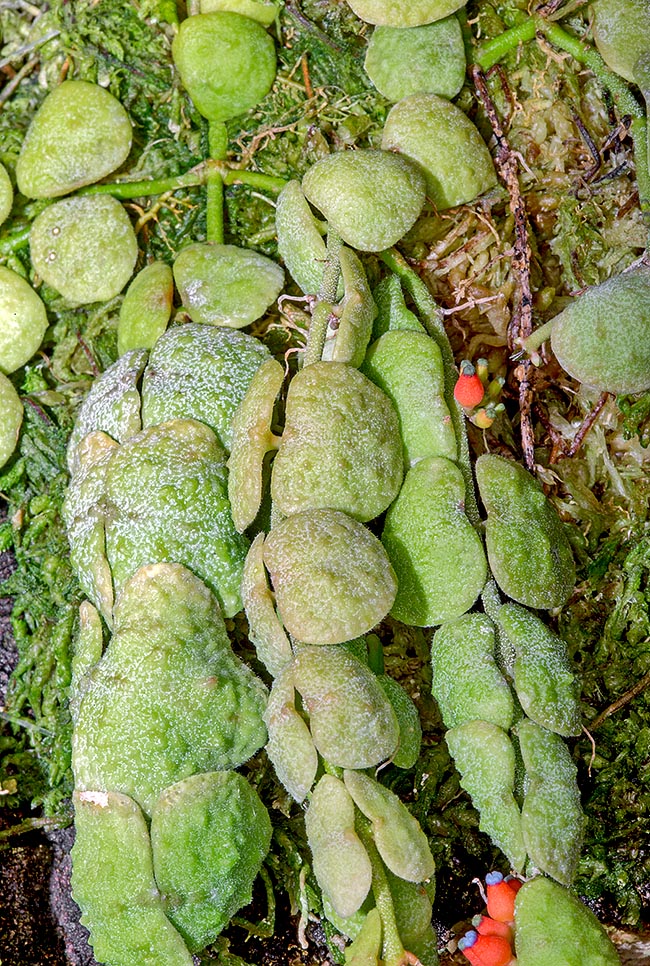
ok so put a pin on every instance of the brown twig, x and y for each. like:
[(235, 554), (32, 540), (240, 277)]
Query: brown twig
[(615, 706), (561, 449), (304, 66), (521, 324)]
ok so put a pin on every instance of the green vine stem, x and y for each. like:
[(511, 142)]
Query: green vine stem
[(217, 146), (433, 323), (195, 177), (326, 300)]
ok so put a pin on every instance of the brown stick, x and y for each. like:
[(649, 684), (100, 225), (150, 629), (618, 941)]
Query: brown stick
[(561, 448), (521, 324), (621, 702)]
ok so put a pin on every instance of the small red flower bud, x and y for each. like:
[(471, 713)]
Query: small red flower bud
[(483, 950), (492, 927), (469, 389), (501, 895)]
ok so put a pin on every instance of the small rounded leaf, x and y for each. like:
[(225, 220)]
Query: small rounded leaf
[(226, 285), (84, 247), (226, 62), (554, 926), (23, 321), (437, 554), (352, 721), (603, 337), (397, 13), (6, 194), (528, 549), (290, 746), (622, 33), (210, 834), (438, 136), (341, 863), (467, 683), (341, 446), (79, 135), (332, 578), (11, 417), (428, 59), (370, 198), (146, 309)]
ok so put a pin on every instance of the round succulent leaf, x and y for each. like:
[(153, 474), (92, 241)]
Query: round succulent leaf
[(407, 366), (121, 907), (396, 13), (370, 198), (437, 554), (23, 321), (398, 836), (226, 62), (167, 492), (84, 247), (210, 834), (200, 372), (6, 194), (168, 698), (544, 680), (79, 135), (554, 926), (226, 285), (265, 13), (341, 446), (146, 309), (427, 59), (264, 627), (11, 418), (340, 861), (467, 683), (113, 404), (603, 337), (331, 576), (440, 138), (290, 746), (527, 546), (252, 439), (621, 31), (352, 722), (552, 820), (485, 758)]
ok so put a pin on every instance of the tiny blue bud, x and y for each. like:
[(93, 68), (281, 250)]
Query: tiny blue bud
[(468, 940), (493, 878)]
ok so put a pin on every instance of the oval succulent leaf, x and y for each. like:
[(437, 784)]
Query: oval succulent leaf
[(226, 62), (341, 446), (84, 247), (331, 576), (467, 683), (436, 552), (122, 907), (440, 138), (427, 59), (370, 198), (79, 135), (290, 746), (210, 834), (23, 321), (200, 372), (341, 863), (11, 419), (146, 309), (224, 284), (168, 697), (399, 839), (265, 628), (352, 722), (527, 546), (396, 13), (603, 337)]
